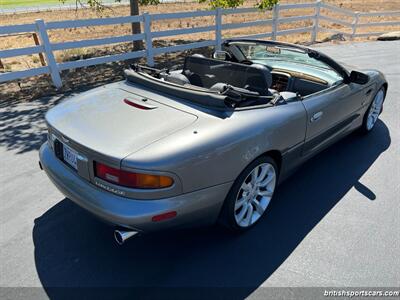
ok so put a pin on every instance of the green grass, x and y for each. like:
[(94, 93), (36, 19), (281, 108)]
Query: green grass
[(34, 3)]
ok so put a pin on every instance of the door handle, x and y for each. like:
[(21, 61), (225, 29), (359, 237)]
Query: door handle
[(368, 92), (316, 116)]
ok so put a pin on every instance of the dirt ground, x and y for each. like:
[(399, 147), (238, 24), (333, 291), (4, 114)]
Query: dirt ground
[(74, 79)]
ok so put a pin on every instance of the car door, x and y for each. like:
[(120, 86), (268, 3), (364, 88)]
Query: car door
[(330, 113)]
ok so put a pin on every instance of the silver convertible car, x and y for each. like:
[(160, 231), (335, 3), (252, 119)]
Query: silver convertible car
[(207, 141)]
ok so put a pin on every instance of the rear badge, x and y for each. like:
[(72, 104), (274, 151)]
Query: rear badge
[(109, 188)]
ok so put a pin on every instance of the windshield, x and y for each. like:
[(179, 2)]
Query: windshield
[(259, 52)]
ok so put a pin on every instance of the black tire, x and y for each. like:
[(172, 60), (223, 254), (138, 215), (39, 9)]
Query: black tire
[(364, 128), (227, 215)]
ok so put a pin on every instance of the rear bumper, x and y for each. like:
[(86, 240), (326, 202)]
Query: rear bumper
[(199, 208)]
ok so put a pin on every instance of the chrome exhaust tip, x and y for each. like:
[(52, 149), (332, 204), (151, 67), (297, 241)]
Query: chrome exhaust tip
[(121, 236)]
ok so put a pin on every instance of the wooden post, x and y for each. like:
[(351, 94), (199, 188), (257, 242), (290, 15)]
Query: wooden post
[(218, 28), (314, 34), (51, 62), (354, 25), (35, 38), (275, 21), (149, 40)]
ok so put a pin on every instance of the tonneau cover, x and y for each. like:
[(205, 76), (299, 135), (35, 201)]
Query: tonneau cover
[(204, 98)]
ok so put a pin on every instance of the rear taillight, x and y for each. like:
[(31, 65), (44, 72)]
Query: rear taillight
[(132, 180)]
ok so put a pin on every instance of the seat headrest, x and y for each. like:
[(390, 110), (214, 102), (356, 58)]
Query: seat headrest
[(265, 71), (211, 71)]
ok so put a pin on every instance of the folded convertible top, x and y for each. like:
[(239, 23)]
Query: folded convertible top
[(204, 98)]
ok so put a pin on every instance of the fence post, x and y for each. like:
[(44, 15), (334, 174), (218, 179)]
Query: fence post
[(218, 28), (37, 43), (354, 25), (314, 33), (148, 38), (51, 62), (275, 20)]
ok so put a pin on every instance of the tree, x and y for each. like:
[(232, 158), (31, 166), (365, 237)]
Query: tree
[(134, 9), (261, 4)]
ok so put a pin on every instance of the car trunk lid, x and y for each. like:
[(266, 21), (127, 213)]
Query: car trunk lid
[(116, 122)]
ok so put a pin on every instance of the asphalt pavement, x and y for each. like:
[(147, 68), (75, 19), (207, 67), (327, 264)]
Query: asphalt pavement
[(334, 223)]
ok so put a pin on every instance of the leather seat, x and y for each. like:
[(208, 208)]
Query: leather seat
[(258, 83), (177, 77), (205, 72)]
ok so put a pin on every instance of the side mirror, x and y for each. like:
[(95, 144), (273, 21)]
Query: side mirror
[(358, 77), (221, 55)]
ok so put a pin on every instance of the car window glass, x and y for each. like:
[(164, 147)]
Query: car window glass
[(271, 53)]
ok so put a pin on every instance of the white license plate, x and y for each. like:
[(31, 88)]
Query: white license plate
[(70, 156)]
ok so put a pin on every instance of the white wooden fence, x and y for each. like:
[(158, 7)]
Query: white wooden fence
[(54, 68)]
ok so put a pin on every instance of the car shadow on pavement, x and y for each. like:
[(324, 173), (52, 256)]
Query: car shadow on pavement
[(75, 250), (22, 125)]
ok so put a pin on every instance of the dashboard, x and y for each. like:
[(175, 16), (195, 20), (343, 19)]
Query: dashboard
[(280, 81), (299, 78), (303, 84)]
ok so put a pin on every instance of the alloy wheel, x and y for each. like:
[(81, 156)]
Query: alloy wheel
[(375, 109), (255, 194)]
